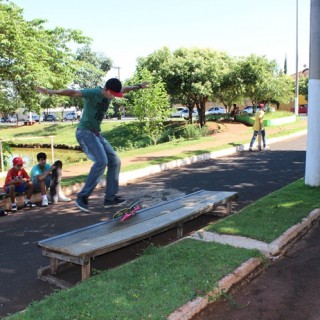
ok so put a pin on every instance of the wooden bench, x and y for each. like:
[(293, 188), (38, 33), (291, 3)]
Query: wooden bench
[(80, 246)]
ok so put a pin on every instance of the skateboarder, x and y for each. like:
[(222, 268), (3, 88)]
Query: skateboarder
[(18, 180), (46, 176), (258, 129), (93, 144)]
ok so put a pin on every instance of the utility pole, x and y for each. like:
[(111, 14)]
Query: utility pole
[(118, 71), (296, 99), (312, 174)]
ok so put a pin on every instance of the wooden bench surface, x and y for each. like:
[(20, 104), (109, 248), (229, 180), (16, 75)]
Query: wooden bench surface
[(110, 235)]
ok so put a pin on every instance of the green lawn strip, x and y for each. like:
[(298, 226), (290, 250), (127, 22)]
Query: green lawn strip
[(150, 287), (269, 217)]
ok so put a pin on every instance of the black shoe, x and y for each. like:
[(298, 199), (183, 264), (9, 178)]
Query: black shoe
[(3, 213), (114, 202), (82, 203), (250, 149)]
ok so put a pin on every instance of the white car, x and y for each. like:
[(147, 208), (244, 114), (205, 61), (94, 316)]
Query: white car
[(178, 112), (185, 114), (216, 110), (70, 116), (249, 109)]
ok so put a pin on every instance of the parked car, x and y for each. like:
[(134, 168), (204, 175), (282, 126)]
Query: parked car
[(185, 113), (249, 109), (70, 116), (216, 110), (178, 112), (303, 109), (49, 117), (36, 118), (9, 119)]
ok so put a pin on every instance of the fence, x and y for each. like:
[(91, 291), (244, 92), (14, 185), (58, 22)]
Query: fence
[(21, 139)]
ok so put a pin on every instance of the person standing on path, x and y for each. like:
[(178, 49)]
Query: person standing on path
[(93, 144), (258, 128)]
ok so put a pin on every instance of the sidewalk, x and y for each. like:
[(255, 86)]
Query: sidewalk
[(21, 231)]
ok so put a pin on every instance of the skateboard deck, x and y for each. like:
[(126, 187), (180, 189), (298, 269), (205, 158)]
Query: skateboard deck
[(55, 181), (129, 211)]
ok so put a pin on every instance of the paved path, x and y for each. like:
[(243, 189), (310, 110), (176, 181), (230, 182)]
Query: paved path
[(253, 175)]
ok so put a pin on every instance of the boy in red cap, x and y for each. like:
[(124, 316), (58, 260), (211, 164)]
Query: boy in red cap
[(18, 180)]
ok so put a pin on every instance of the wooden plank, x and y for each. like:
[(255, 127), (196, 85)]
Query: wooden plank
[(98, 238), (79, 246), (113, 226)]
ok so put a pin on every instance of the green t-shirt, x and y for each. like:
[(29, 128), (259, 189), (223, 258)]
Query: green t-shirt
[(95, 107)]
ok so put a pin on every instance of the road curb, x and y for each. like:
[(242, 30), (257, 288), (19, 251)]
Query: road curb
[(191, 308), (249, 268), (274, 248), (125, 177)]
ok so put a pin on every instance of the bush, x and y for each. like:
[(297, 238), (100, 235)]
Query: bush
[(192, 131)]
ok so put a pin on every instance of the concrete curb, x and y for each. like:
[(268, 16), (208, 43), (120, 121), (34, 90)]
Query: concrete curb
[(248, 268), (140, 173), (269, 249), (191, 308)]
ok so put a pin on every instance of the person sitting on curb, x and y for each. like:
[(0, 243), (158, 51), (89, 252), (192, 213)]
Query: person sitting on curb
[(41, 175), (18, 180)]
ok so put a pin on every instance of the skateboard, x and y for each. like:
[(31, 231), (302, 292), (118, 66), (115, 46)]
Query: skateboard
[(128, 212), (55, 181)]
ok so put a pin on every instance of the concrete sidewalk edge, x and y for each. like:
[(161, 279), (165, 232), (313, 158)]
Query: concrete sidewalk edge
[(191, 308), (249, 268)]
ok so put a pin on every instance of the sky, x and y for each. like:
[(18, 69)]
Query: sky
[(127, 29)]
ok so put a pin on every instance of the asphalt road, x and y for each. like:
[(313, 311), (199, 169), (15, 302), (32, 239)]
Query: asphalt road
[(251, 174)]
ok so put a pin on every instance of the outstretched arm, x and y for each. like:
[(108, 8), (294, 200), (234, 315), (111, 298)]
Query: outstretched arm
[(142, 85), (63, 92)]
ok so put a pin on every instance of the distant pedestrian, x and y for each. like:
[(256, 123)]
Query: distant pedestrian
[(96, 147), (41, 175), (258, 128), (18, 180)]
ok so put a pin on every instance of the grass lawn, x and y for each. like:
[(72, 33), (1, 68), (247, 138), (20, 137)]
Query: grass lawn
[(151, 287), (272, 215)]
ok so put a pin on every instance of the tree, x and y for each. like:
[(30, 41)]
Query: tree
[(32, 55), (150, 106), (230, 89)]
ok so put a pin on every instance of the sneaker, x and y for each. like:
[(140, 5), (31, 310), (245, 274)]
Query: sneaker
[(14, 207), (45, 202), (114, 202), (29, 205), (63, 198), (82, 203), (250, 149)]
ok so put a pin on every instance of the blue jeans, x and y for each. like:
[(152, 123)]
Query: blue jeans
[(255, 133), (99, 150)]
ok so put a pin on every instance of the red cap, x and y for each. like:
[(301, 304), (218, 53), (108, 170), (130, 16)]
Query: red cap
[(17, 160), (116, 94)]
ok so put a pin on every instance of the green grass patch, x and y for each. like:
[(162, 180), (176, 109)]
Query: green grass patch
[(272, 215), (144, 288)]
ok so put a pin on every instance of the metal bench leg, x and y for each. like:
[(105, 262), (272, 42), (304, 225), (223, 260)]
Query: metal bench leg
[(86, 270)]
